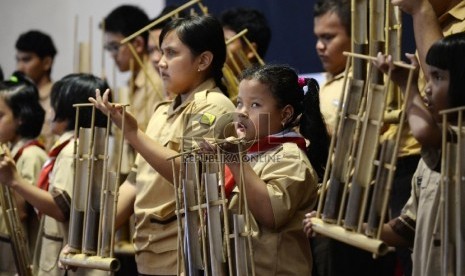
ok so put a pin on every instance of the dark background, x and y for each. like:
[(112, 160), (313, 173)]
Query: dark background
[(291, 23)]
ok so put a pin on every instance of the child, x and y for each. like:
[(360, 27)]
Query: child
[(194, 52), (35, 54), (53, 196), (21, 119), (280, 181), (416, 225)]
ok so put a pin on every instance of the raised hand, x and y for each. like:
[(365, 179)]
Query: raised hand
[(399, 75), (115, 111)]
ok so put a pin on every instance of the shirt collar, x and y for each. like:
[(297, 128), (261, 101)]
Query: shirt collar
[(457, 12), (175, 107)]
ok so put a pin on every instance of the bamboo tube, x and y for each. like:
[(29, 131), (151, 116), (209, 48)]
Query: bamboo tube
[(246, 212), (225, 213), (142, 66), (14, 227), (92, 262), (374, 246)]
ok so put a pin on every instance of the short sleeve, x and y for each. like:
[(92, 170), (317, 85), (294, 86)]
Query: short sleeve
[(291, 184)]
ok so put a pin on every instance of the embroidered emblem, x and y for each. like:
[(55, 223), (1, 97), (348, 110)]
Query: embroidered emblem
[(207, 119)]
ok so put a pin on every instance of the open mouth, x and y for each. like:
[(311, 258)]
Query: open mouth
[(241, 127), (427, 102)]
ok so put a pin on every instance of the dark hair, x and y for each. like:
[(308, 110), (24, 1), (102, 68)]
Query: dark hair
[(74, 89), (283, 83), (340, 7), (448, 54), (258, 30), (200, 34), (36, 42), (1, 74), (22, 97), (126, 20), (165, 11)]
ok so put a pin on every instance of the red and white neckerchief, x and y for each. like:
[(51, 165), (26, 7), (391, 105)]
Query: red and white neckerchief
[(262, 145), (43, 181)]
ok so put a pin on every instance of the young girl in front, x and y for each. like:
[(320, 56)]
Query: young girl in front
[(52, 198), (416, 226), (21, 118), (280, 181), (194, 52), (446, 79)]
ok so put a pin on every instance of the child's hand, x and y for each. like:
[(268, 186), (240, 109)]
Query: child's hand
[(228, 145), (65, 251), (307, 223), (8, 170), (399, 75), (409, 6), (115, 111)]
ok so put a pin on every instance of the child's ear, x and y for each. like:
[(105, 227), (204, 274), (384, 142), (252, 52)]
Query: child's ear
[(205, 59), (286, 114), (47, 63), (139, 44)]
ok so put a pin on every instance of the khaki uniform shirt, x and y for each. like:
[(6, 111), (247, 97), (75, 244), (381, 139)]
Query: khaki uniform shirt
[(55, 233), (155, 239), (292, 187), (418, 221), (142, 104), (29, 166), (330, 98)]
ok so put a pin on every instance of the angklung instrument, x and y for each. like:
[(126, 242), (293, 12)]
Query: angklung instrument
[(212, 240), (450, 219), (93, 208), (236, 62), (358, 164), (17, 235)]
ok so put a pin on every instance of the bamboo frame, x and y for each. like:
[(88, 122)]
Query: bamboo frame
[(452, 192), (18, 240), (199, 193), (236, 62), (101, 190), (357, 234)]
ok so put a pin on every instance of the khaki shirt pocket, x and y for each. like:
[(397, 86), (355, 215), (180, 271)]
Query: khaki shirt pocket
[(164, 237)]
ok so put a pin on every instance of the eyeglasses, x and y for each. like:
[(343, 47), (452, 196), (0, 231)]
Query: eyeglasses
[(112, 47)]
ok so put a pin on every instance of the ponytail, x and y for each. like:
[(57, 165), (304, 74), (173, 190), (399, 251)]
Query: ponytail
[(313, 127)]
